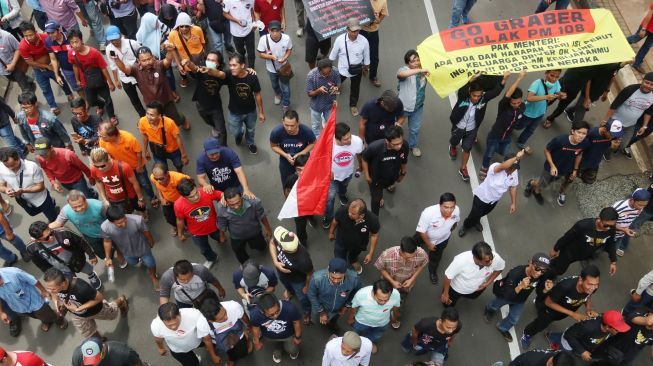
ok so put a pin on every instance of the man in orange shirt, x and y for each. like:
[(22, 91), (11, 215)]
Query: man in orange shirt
[(161, 137), (189, 42), (123, 146), (166, 184)]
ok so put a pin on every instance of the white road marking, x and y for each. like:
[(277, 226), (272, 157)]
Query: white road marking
[(473, 180)]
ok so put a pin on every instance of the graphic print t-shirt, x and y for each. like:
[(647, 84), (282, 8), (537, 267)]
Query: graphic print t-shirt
[(200, 216), (344, 158), (564, 293), (241, 93), (279, 328)]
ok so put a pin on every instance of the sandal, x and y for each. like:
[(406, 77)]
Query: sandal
[(45, 327), (124, 308), (391, 188), (155, 203), (307, 320), (63, 324), (382, 203), (173, 232), (547, 124), (177, 98)]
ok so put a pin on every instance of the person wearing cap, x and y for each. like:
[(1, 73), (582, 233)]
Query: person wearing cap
[(513, 290), (585, 238), (633, 106), (252, 280), (401, 265), (123, 48), (189, 283), (562, 300), (353, 53), (601, 139), (642, 295), (348, 350), (22, 294), (229, 324), (628, 210), (290, 140), (242, 217), (631, 342), (356, 229), (63, 168), (166, 182), (434, 335), (241, 16), (378, 114), (279, 321), (95, 352), (34, 122), (275, 48), (189, 43), (470, 273), (323, 88), (294, 266), (220, 168), (161, 137), (373, 308), (500, 178), (23, 358), (58, 45), (331, 292)]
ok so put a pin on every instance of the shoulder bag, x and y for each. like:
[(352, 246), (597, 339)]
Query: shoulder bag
[(159, 150), (227, 340), (354, 69), (285, 71), (92, 75), (199, 299), (198, 59), (546, 92)]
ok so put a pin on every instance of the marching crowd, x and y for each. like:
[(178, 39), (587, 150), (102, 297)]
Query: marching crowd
[(152, 47)]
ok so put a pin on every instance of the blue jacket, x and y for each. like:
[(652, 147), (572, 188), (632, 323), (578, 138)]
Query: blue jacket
[(49, 126), (325, 297)]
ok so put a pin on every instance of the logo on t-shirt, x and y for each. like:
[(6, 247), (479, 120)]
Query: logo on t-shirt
[(220, 175), (276, 326), (343, 159), (200, 214)]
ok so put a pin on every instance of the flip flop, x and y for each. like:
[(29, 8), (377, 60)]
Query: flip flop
[(63, 325), (382, 203), (547, 124), (45, 327)]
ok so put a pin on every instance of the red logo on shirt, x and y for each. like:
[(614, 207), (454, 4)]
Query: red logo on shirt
[(343, 158)]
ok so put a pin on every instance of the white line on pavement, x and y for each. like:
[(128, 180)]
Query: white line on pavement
[(487, 233)]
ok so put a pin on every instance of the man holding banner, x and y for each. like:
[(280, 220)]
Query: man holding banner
[(371, 32)]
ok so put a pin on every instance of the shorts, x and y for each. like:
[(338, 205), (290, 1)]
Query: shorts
[(546, 178), (148, 260), (239, 351), (313, 45), (87, 325), (466, 137)]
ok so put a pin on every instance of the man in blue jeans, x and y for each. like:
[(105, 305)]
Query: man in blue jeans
[(372, 308), (544, 4), (644, 31), (7, 132), (7, 233), (412, 90), (460, 12), (642, 295), (513, 290)]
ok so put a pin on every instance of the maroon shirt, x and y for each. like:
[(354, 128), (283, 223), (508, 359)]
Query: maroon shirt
[(153, 83)]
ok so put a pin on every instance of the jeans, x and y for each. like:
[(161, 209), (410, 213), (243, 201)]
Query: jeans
[(646, 300), (318, 119), (240, 124), (217, 42), (69, 75), (372, 333), (43, 79), (459, 12), (81, 185), (215, 119), (171, 79), (355, 90), (373, 39), (202, 241), (48, 208), (280, 88), (502, 147), (299, 10), (174, 156), (132, 92), (560, 5), (92, 14), (643, 50), (41, 18), (144, 182), (438, 355), (336, 187), (148, 260), (414, 124), (529, 125), (514, 312), (5, 253), (245, 46), (295, 288), (10, 139)]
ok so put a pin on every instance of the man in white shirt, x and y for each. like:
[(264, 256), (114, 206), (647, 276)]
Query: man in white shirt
[(436, 223), (470, 273), (182, 330), (23, 180), (348, 350), (501, 177), (275, 48), (240, 14), (124, 49), (227, 321), (346, 148), (353, 53)]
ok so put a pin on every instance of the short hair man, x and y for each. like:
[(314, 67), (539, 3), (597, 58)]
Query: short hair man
[(601, 139), (378, 114), (189, 283), (227, 321), (401, 265), (630, 343), (220, 168), (322, 87), (252, 280), (279, 321), (348, 350), (161, 137), (87, 215), (356, 227), (411, 89), (628, 210), (182, 330), (372, 308), (433, 335), (166, 182), (291, 139), (63, 168), (115, 181)]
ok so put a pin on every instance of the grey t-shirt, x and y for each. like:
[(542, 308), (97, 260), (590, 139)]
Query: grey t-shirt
[(130, 239), (197, 284), (118, 354), (633, 108), (8, 47)]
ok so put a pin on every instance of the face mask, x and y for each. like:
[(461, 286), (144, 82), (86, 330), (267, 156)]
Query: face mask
[(549, 84), (211, 65)]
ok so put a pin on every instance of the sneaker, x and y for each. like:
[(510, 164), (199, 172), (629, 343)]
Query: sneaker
[(464, 19), (478, 227), (396, 325), (253, 149), (239, 139), (295, 356), (464, 174), (311, 222), (607, 157), (488, 315), (276, 357), (620, 252), (95, 281), (26, 256), (183, 83), (208, 264), (277, 100), (354, 111), (416, 152), (462, 231), (434, 278), (562, 199), (538, 198), (528, 190), (569, 115), (627, 153), (343, 201), (506, 335), (11, 263), (498, 363), (357, 267), (300, 32), (123, 265), (376, 82), (124, 305), (326, 223), (453, 152), (525, 341)]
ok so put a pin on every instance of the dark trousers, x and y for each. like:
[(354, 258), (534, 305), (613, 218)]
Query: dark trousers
[(202, 241), (245, 46), (355, 90), (435, 256), (48, 208), (300, 230), (215, 119), (545, 316), (186, 359), (101, 98), (285, 170), (564, 103), (376, 193), (41, 18), (559, 264), (128, 24), (45, 314), (340, 250), (238, 246), (132, 92), (455, 295), (373, 39), (479, 209), (169, 214)]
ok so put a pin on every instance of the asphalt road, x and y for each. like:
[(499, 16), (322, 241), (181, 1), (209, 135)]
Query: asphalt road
[(516, 237)]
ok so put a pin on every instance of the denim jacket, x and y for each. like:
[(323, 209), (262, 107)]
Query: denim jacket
[(325, 297), (48, 124)]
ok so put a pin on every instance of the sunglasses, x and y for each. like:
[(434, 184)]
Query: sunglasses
[(160, 179), (539, 269)]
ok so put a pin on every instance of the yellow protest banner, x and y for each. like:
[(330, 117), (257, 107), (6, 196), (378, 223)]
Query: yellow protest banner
[(558, 39)]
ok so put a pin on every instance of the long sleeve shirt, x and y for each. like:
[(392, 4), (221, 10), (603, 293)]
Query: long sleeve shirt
[(64, 165), (585, 336), (47, 125)]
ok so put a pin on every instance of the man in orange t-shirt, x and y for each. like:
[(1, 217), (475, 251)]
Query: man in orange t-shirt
[(123, 146), (166, 184), (154, 128)]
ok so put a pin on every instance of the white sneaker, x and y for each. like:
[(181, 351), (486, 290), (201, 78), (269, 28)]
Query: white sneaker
[(276, 358), (620, 252), (103, 47), (208, 264), (111, 275), (416, 152), (300, 32), (277, 100)]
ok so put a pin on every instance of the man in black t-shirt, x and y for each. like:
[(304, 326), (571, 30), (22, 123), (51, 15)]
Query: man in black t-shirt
[(290, 140), (601, 79), (433, 335), (384, 164), (544, 358), (300, 221), (631, 342), (513, 290), (563, 300), (378, 114), (356, 228), (600, 139), (244, 99), (94, 352)]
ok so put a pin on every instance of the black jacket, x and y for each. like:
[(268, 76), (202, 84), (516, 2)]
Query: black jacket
[(623, 96), (459, 110), (70, 241)]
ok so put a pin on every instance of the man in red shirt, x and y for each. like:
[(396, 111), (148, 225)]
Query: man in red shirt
[(23, 358), (269, 10), (64, 166), (115, 181), (32, 50), (196, 209)]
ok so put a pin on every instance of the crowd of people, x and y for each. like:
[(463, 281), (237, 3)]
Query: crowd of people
[(152, 47)]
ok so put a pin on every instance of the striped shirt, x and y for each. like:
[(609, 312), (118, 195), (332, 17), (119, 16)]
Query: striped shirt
[(627, 214), (398, 268)]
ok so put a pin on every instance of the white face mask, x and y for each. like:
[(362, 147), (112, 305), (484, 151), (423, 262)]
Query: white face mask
[(211, 65)]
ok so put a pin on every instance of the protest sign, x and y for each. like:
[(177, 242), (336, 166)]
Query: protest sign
[(558, 39), (329, 17)]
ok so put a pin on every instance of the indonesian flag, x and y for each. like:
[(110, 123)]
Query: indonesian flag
[(308, 195)]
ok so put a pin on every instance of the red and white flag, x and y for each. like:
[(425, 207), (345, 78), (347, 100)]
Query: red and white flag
[(308, 195)]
